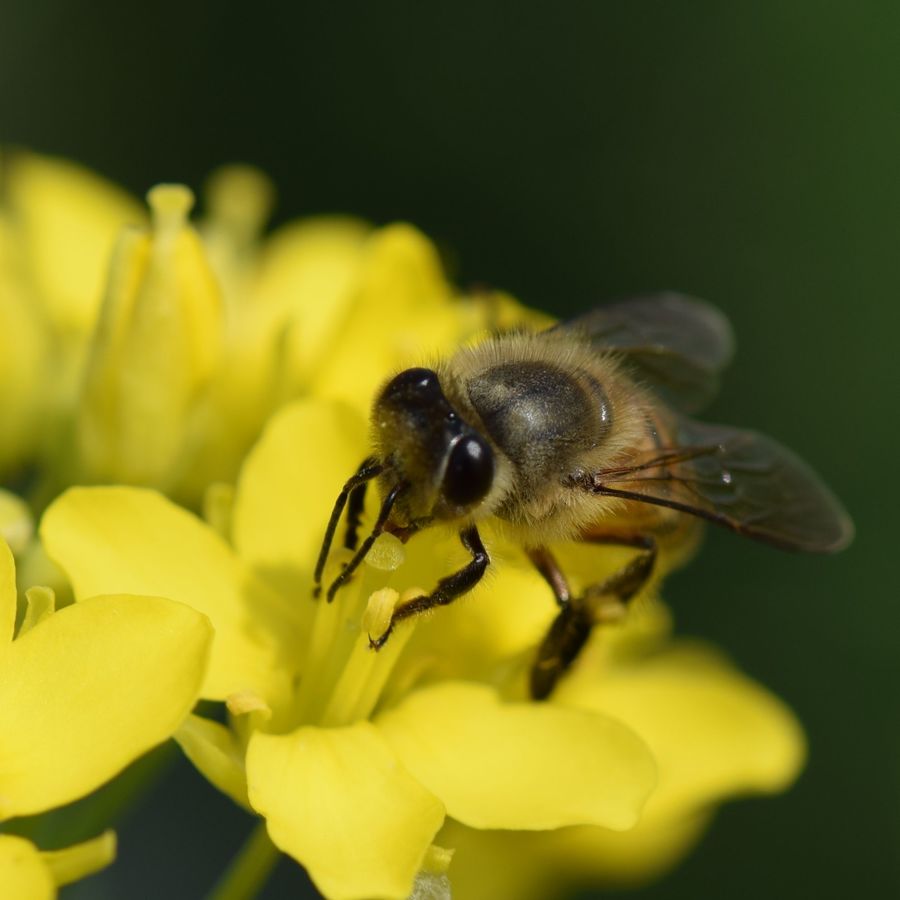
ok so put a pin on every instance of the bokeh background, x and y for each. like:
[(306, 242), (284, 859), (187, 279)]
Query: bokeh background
[(748, 153)]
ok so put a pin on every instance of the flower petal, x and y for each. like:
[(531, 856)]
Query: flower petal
[(100, 682), (7, 596), (533, 865), (24, 362), (519, 765), (70, 219), (306, 275), (289, 483), (80, 860), (590, 855), (400, 310), (338, 801), (135, 541), (215, 752), (714, 732), (504, 617), (23, 873)]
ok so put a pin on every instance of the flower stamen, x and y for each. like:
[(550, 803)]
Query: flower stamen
[(342, 678), (170, 205)]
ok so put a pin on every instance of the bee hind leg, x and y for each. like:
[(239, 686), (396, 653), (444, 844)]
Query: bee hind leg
[(601, 602), (447, 590), (622, 585)]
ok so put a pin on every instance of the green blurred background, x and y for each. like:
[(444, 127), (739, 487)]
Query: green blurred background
[(743, 152)]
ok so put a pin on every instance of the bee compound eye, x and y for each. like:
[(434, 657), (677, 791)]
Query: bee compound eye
[(414, 387), (470, 471)]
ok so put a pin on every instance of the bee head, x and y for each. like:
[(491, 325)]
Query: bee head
[(447, 465)]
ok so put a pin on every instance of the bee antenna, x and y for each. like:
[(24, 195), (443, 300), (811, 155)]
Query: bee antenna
[(369, 469), (383, 515)]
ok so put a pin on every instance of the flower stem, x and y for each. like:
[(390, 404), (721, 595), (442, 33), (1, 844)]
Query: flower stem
[(249, 870)]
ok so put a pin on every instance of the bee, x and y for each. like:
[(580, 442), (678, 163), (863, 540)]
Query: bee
[(578, 433)]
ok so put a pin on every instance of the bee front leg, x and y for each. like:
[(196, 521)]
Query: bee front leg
[(572, 627), (355, 505), (447, 590), (355, 490)]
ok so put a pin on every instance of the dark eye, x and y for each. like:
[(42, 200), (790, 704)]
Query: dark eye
[(470, 471), (414, 387)]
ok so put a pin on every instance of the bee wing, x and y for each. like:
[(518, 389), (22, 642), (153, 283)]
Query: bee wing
[(740, 479), (676, 344)]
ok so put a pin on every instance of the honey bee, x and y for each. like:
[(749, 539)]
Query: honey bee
[(579, 433)]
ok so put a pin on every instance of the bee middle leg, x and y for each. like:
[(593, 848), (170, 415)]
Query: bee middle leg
[(604, 601), (545, 562), (354, 489), (447, 590)]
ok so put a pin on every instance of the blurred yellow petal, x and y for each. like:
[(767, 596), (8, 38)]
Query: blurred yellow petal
[(24, 360), (102, 681), (399, 311), (714, 732), (16, 520), (27, 873), (158, 340), (338, 801), (35, 567), (136, 541), (217, 755), (594, 856), (70, 218), (23, 874), (7, 597), (519, 765), (301, 278), (305, 277), (289, 483), (537, 865), (218, 504), (79, 860), (238, 200)]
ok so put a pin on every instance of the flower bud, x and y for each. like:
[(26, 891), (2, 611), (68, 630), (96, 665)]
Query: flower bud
[(156, 346), (16, 522)]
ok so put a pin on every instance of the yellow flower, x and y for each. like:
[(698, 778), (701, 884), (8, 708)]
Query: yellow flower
[(333, 744), (83, 691), (357, 760)]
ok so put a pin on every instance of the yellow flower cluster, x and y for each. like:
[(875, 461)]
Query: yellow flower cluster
[(364, 766)]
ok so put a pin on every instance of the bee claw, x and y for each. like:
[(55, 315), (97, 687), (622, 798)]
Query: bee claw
[(377, 643)]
